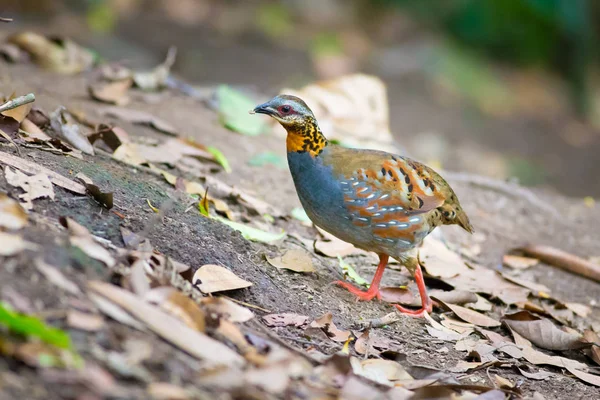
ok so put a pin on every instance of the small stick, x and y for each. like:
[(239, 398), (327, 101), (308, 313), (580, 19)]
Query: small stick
[(17, 102), (562, 259), (249, 305), (4, 19)]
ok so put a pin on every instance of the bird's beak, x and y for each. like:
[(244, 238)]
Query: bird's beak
[(264, 109)]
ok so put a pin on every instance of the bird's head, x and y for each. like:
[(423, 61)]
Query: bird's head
[(290, 111), (304, 134)]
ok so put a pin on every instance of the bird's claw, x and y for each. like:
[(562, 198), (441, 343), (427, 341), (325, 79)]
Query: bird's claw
[(360, 295)]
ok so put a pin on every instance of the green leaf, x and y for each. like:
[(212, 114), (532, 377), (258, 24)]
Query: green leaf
[(32, 326), (349, 272), (254, 234), (219, 157), (300, 214), (233, 112), (267, 157)]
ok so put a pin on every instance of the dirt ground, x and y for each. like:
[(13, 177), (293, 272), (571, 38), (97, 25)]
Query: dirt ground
[(503, 220)]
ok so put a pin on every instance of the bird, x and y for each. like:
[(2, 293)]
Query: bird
[(373, 199)]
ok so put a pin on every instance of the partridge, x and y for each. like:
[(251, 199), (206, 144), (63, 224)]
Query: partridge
[(375, 200)]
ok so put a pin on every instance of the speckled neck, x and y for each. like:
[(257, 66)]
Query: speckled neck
[(305, 137)]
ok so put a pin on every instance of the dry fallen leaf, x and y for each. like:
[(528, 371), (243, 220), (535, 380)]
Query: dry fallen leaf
[(167, 391), (538, 358), (544, 333), (58, 55), (80, 237), (227, 309), (594, 350), (84, 321), (33, 168), (33, 131), (325, 323), (115, 312), (36, 186), (18, 113), (104, 198), (580, 309), (138, 279), (285, 319), (519, 262), (334, 247), (113, 92), (214, 278), (12, 244), (469, 315), (168, 327), (294, 260), (439, 261), (538, 376), (65, 128), (56, 277), (454, 296), (397, 295), (387, 369), (157, 78), (584, 376), (12, 215), (178, 305), (535, 287)]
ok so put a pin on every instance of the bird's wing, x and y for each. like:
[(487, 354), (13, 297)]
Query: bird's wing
[(390, 194)]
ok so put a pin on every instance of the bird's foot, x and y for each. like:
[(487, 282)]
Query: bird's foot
[(420, 313), (360, 295)]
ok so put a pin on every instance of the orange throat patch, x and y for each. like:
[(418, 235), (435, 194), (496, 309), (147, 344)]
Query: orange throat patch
[(306, 137)]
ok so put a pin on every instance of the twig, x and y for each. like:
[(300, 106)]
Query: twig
[(387, 319), (562, 259), (4, 19), (17, 102), (249, 305)]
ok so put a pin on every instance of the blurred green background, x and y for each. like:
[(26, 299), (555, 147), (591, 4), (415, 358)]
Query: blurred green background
[(504, 88)]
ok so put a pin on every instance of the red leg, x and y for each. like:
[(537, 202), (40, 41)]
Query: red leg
[(426, 305), (373, 288)]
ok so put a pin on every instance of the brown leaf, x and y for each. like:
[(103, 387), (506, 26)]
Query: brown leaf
[(36, 186), (584, 376), (56, 277), (325, 323), (457, 326), (115, 312), (454, 296), (12, 215), (9, 126), (84, 321), (33, 131), (33, 168), (80, 237), (65, 128), (227, 309), (439, 261), (580, 309), (113, 137), (178, 305), (594, 350), (294, 260), (544, 333), (334, 247), (285, 319), (396, 295), (564, 260), (538, 358), (167, 391), (60, 55), (104, 198), (156, 79), (519, 262), (12, 244), (138, 280), (538, 376), (469, 315), (535, 287), (18, 113), (383, 370), (168, 327), (139, 117), (113, 92), (214, 278)]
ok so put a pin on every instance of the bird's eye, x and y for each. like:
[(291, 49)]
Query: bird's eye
[(285, 109)]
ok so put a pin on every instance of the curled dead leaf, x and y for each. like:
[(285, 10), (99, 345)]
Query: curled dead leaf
[(544, 333), (36, 186), (113, 92), (178, 305), (212, 278), (12, 215), (285, 319), (295, 260), (65, 128), (468, 315), (227, 309), (325, 323)]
